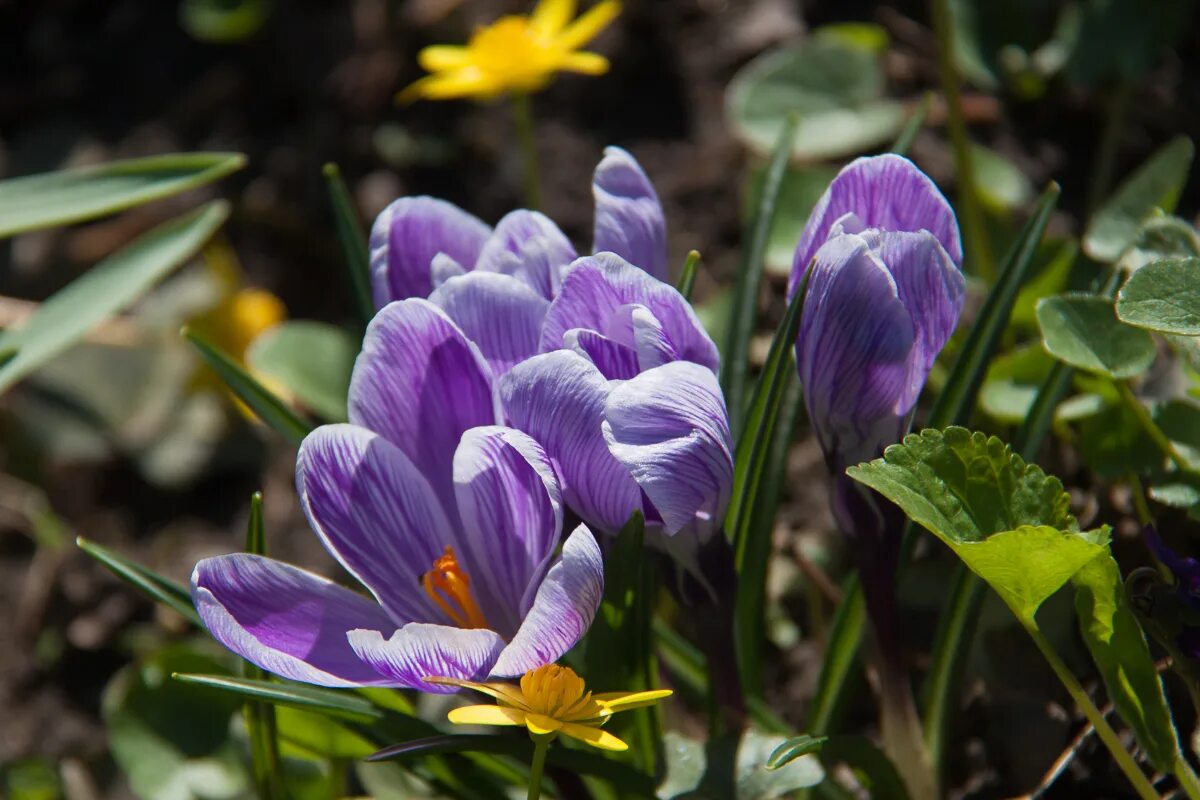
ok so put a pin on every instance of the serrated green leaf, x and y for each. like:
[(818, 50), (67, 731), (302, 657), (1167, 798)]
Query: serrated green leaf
[(1163, 296), (312, 359), (156, 587), (1119, 648), (963, 486), (1083, 331), (106, 289), (261, 400), (1160, 238), (795, 747), (1155, 185), (74, 195)]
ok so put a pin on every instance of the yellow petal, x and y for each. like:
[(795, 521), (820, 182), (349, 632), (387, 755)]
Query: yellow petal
[(540, 724), (596, 737), (588, 26), (465, 82), (505, 692), (584, 62), (440, 57), (551, 16), (624, 701), (486, 715)]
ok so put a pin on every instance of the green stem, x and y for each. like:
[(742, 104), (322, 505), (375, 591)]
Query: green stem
[(540, 745), (956, 126), (522, 108), (1187, 777), (1138, 493), (1107, 735), (1156, 434)]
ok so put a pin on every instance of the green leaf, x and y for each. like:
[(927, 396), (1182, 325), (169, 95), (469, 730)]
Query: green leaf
[(795, 747), (61, 198), (1159, 239), (869, 763), (735, 356), (1118, 646), (1155, 185), (353, 241), (1083, 331), (1027, 565), (1163, 296), (312, 359), (1002, 186), (838, 91), (912, 125), (264, 403), (320, 735), (687, 761), (172, 743), (340, 704), (155, 586), (1012, 383), (223, 21), (802, 187), (963, 486), (106, 289), (687, 276)]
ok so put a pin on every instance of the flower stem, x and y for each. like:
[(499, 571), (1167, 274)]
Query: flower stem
[(522, 108), (540, 745), (1107, 735), (977, 243)]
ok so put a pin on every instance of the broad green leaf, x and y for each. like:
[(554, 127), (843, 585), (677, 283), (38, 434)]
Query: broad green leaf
[(1176, 495), (1160, 238), (1113, 442), (1012, 383), (147, 581), (1155, 185), (1119, 649), (1083, 331), (1163, 296), (340, 704), (838, 91), (261, 400), (795, 747), (963, 486), (686, 763), (353, 241), (74, 195), (312, 359), (1002, 186), (1027, 565), (1055, 261), (735, 356), (320, 735), (105, 289), (172, 742), (802, 187)]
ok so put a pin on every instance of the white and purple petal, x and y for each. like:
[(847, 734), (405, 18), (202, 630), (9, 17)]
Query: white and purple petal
[(562, 611), (420, 382), (418, 651), (597, 293), (629, 218), (558, 398), (670, 429), (616, 361), (375, 513), (408, 234), (511, 509), (501, 314), (286, 620), (530, 247), (886, 192)]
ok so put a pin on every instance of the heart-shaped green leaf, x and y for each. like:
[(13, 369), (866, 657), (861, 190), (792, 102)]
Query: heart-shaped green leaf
[(1083, 331), (1163, 296)]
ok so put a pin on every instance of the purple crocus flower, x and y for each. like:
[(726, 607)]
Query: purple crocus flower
[(1178, 619), (625, 401), (450, 520)]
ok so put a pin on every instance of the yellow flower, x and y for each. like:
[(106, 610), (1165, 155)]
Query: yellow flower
[(515, 53), (551, 700)]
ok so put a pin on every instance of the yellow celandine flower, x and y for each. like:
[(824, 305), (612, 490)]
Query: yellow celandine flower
[(515, 53), (551, 700)]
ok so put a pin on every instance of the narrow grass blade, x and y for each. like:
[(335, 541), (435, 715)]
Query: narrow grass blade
[(687, 278), (754, 487), (353, 241), (261, 725), (269, 408), (343, 705), (838, 671), (735, 364), (51, 199), (106, 289), (147, 581)]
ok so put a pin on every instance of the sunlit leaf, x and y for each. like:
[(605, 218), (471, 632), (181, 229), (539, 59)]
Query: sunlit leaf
[(313, 360), (1083, 331), (1163, 296)]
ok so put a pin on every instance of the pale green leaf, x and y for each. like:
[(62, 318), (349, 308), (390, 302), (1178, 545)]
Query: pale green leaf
[(1163, 296), (1160, 238), (1083, 331), (312, 359)]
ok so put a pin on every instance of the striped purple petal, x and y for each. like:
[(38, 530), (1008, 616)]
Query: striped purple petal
[(418, 651), (530, 247), (629, 218), (501, 314)]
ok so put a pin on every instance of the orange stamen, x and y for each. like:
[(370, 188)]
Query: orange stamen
[(447, 585)]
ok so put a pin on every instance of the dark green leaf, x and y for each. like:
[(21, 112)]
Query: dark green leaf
[(795, 747), (1155, 185), (1083, 330), (1163, 296), (869, 763), (269, 408), (736, 354), (150, 583), (353, 241), (312, 359), (61, 198), (106, 289)]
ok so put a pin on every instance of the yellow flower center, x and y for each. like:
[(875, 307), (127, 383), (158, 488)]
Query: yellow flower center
[(513, 50), (555, 691), (447, 585)]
